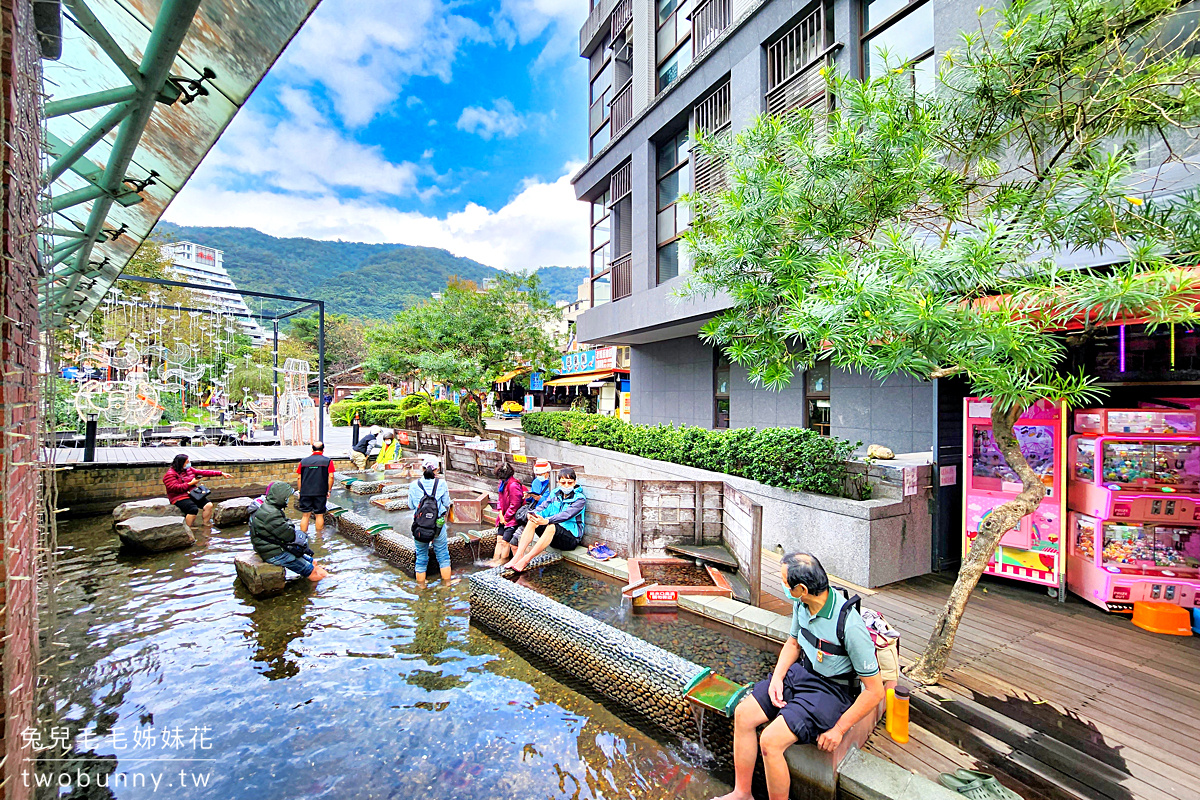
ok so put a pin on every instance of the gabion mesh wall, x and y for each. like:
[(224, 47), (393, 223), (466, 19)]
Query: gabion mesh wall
[(642, 677)]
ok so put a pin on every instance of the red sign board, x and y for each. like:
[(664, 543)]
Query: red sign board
[(662, 596)]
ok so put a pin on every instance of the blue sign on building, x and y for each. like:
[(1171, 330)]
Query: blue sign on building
[(580, 361), (537, 382)]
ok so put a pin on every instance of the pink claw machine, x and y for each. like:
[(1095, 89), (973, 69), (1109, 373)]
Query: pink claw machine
[(1030, 552), (1134, 499)]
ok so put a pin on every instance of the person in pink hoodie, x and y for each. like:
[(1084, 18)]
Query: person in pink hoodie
[(510, 497)]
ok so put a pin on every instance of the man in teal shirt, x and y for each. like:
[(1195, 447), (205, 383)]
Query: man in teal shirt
[(820, 687)]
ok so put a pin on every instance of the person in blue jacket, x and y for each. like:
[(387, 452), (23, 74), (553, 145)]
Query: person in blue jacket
[(557, 520), (430, 484)]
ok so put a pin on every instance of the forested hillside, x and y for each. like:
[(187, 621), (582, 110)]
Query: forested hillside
[(362, 280)]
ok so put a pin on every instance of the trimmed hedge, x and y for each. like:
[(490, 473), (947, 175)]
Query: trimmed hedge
[(394, 413), (790, 458)]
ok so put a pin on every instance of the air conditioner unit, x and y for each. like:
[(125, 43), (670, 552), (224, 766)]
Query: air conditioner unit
[(625, 53)]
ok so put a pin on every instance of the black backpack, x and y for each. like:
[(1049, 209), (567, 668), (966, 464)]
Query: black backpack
[(848, 680), (425, 518)]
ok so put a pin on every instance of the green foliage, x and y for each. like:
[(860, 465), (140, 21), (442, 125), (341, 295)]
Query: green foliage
[(467, 337), (443, 413), (411, 403), (915, 233), (791, 458), (375, 392), (65, 416), (371, 281), (369, 413)]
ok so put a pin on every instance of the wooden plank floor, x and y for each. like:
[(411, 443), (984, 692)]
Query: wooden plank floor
[(1126, 699), (208, 454)]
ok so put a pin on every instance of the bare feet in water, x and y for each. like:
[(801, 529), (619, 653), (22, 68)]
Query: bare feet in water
[(317, 573)]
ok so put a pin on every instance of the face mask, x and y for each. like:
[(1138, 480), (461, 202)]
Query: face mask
[(187, 466)]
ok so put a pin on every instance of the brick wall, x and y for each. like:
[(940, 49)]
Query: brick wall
[(85, 491), (20, 132)]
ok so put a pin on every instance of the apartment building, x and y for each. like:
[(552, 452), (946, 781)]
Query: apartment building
[(662, 70), (196, 263)]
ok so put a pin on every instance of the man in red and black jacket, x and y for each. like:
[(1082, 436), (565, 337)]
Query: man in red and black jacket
[(314, 486)]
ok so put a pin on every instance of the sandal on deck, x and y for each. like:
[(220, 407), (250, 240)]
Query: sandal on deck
[(993, 787), (972, 789)]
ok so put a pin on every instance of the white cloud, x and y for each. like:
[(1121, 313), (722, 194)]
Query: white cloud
[(525, 20), (542, 225), (363, 51), (299, 151), (500, 120)]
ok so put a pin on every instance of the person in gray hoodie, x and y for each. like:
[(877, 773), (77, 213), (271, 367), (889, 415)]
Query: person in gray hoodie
[(274, 536)]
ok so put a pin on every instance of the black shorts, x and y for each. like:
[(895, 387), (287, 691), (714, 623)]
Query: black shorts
[(561, 541), (814, 704), (188, 506), (510, 534), (312, 504)]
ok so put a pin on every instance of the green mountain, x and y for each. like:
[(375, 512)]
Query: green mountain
[(362, 280)]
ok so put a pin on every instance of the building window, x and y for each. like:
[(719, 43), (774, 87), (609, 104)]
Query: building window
[(600, 92), (601, 249), (671, 43), (721, 390), (816, 395), (674, 180), (904, 31)]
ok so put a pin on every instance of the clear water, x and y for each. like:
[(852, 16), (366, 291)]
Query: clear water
[(602, 600), (362, 687)]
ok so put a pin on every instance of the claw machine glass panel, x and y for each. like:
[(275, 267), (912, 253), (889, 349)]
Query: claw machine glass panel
[(1114, 563), (1030, 552)]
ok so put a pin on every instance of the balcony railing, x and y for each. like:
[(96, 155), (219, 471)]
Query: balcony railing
[(622, 16), (622, 109), (622, 277), (600, 16), (794, 63), (709, 19)]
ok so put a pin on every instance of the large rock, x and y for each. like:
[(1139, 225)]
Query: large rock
[(157, 507), (260, 578), (235, 511), (155, 533)]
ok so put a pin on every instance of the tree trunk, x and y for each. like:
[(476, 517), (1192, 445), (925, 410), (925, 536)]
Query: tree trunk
[(470, 408), (1004, 518)]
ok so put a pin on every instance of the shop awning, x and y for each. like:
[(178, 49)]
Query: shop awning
[(580, 380), (508, 376)]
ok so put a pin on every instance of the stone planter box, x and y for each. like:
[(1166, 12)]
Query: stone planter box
[(867, 542)]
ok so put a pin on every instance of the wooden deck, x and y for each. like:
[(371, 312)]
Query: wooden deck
[(1059, 700), (208, 454)]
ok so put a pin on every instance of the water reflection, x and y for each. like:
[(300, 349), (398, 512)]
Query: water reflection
[(360, 687)]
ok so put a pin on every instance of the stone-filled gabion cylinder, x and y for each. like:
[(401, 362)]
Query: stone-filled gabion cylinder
[(398, 548), (642, 677), (389, 502), (366, 487), (355, 527)]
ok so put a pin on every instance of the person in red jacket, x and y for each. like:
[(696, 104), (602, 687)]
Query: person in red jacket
[(180, 479), (509, 497)]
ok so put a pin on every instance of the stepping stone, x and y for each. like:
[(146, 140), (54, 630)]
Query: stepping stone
[(156, 507), (260, 578), (155, 533), (713, 554), (232, 512)]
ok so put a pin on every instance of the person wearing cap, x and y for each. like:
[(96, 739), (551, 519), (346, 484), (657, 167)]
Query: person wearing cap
[(430, 484), (360, 451), (558, 520), (390, 451), (541, 483)]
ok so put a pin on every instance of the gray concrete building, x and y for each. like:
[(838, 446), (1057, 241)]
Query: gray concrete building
[(661, 70)]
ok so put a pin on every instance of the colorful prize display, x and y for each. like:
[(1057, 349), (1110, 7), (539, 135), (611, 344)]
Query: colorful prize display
[(1032, 551), (1133, 496)]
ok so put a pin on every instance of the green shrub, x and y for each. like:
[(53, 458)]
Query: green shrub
[(373, 393), (791, 458), (412, 402), (443, 413), (342, 413)]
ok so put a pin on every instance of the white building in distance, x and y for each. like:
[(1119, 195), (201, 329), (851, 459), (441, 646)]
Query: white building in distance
[(196, 263)]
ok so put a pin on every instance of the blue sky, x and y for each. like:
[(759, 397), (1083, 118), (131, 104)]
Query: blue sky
[(449, 124)]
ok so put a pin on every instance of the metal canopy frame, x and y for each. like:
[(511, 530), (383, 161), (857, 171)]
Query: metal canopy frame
[(142, 93), (308, 302)]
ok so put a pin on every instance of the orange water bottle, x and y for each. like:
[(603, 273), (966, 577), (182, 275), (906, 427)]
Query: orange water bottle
[(890, 711), (898, 718)]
